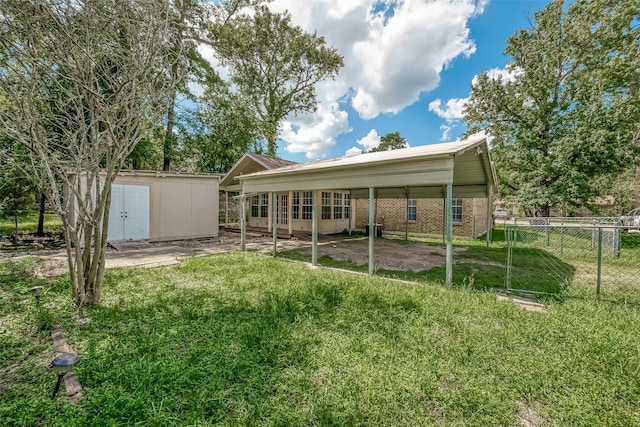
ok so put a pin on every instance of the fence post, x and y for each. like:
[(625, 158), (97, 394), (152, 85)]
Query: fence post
[(561, 235), (599, 260), (507, 279), (548, 232)]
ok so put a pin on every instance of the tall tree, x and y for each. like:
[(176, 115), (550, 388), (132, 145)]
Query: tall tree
[(275, 67), (83, 82), (220, 133), (566, 111), (390, 141), (194, 23)]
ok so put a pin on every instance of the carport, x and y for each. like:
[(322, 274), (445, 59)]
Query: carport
[(461, 169)]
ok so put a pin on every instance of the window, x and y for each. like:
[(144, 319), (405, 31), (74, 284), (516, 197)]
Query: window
[(456, 205), (283, 209), (326, 205), (347, 206), (412, 209), (264, 205), (337, 205), (307, 204), (255, 203), (295, 205)]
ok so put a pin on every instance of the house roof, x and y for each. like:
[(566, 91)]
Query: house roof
[(410, 172), (250, 163)]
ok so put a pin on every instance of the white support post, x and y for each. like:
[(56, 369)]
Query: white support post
[(274, 221), (372, 229), (269, 209), (243, 222), (314, 229), (290, 212), (449, 223), (226, 208), (489, 213)]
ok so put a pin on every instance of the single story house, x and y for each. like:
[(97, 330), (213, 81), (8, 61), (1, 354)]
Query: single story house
[(340, 211), (294, 207), (158, 206), (454, 170)]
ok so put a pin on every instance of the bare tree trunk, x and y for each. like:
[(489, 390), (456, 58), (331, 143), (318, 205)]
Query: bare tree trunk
[(168, 135), (40, 230), (15, 233)]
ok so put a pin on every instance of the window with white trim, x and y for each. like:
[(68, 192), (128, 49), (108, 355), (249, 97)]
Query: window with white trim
[(307, 205), (295, 205), (347, 206), (456, 205), (412, 209), (326, 205), (337, 205), (255, 206), (264, 205)]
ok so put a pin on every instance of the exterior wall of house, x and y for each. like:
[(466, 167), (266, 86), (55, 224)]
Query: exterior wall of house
[(429, 217), (259, 213), (181, 206)]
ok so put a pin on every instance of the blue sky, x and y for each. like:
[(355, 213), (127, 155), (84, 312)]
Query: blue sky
[(400, 58)]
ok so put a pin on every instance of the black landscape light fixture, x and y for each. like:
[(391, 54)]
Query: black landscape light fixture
[(37, 292), (62, 365)]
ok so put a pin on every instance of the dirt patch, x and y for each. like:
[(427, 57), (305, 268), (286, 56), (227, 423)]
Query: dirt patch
[(48, 268), (389, 255)]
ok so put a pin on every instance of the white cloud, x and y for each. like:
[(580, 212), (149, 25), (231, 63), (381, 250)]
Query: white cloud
[(372, 140), (452, 110), (393, 50), (353, 151), (366, 143), (507, 74), (314, 134), (446, 132), (451, 113)]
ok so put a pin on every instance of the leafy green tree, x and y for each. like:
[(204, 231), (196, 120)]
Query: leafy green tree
[(567, 111), (148, 153), (193, 23), (275, 67), (390, 141), (220, 133)]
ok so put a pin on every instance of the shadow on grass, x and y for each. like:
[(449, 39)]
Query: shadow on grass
[(215, 357), (481, 268)]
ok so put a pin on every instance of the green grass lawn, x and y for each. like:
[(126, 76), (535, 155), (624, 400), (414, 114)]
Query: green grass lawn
[(245, 339)]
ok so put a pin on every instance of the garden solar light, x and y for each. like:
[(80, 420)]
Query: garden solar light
[(37, 291), (63, 364)]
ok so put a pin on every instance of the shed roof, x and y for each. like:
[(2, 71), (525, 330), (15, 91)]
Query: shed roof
[(415, 172)]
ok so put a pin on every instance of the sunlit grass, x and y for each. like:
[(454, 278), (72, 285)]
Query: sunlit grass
[(29, 224), (244, 339)]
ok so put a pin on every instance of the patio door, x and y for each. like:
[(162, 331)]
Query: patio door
[(129, 212), (283, 209)]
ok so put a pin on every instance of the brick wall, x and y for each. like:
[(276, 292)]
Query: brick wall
[(392, 213)]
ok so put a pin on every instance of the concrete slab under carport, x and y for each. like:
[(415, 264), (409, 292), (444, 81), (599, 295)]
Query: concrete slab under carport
[(455, 169)]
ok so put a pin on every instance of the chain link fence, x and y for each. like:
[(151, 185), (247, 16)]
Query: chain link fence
[(544, 255)]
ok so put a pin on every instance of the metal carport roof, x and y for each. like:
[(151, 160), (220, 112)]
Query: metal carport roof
[(422, 170)]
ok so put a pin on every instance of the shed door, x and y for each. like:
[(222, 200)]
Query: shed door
[(129, 212), (116, 214)]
